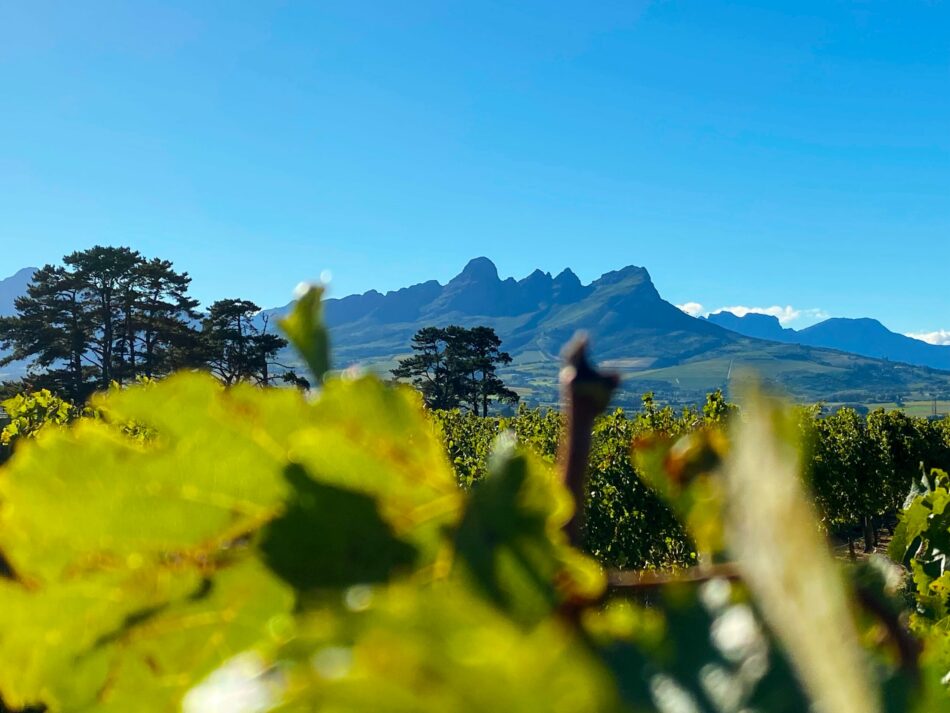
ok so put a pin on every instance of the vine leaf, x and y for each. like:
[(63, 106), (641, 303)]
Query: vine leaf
[(305, 330), (511, 544), (331, 537)]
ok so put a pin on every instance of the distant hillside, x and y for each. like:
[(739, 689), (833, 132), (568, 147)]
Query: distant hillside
[(633, 329), (760, 326), (867, 337), (12, 287)]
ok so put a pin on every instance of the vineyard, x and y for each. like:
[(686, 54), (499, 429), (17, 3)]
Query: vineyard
[(859, 469), (179, 545)]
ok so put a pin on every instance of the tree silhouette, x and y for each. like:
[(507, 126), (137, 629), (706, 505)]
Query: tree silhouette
[(457, 367), (234, 347), (107, 314)]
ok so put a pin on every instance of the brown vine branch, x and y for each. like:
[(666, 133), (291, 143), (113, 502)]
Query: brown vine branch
[(907, 645), (585, 394), (633, 580)]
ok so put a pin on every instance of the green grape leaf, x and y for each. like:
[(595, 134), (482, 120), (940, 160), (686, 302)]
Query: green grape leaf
[(168, 653), (131, 640), (931, 697), (410, 649), (304, 327), (912, 524), (187, 404), (50, 637), (925, 517), (87, 497), (510, 541), (372, 438), (331, 537), (120, 549)]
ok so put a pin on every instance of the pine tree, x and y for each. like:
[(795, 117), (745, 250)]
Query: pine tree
[(428, 369), (164, 311), (54, 329), (486, 356), (234, 348), (107, 315), (105, 274), (455, 366)]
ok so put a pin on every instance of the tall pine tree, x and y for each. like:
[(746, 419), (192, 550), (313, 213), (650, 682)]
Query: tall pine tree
[(107, 314), (234, 347), (457, 367), (53, 328)]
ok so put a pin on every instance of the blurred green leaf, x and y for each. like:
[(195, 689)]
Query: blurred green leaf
[(330, 537), (373, 438), (305, 330), (510, 541), (684, 472), (786, 563), (436, 649)]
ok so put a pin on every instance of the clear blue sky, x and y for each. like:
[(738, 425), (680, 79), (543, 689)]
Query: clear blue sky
[(755, 154)]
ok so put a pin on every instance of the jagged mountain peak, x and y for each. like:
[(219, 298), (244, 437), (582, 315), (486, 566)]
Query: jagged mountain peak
[(478, 269), (631, 274), (567, 287), (538, 276), (567, 275)]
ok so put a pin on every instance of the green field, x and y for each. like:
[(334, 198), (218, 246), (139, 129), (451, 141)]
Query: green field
[(805, 375), (916, 408)]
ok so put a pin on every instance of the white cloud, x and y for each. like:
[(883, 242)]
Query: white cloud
[(786, 315), (693, 309), (941, 336)]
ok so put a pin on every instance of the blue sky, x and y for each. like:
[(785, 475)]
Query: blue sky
[(749, 154)]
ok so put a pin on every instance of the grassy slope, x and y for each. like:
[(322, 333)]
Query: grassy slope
[(808, 375)]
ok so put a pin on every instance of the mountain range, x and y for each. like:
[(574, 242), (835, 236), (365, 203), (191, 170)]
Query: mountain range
[(633, 330), (654, 344), (861, 336)]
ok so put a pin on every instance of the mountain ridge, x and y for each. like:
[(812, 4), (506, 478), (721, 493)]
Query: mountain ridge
[(633, 329), (858, 335)]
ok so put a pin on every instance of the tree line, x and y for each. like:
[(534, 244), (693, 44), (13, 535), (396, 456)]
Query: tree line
[(861, 467), (110, 314)]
